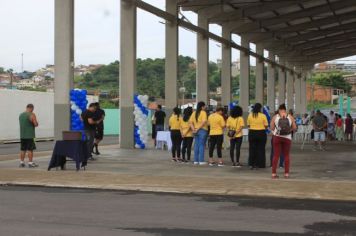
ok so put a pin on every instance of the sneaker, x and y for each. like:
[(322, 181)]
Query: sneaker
[(32, 165), (238, 165), (22, 165), (221, 164), (211, 164), (196, 163), (233, 164), (202, 163)]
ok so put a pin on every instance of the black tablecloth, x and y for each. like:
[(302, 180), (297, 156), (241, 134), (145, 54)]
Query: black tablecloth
[(75, 150)]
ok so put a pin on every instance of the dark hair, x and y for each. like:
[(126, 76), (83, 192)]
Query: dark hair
[(187, 113), (349, 116), (236, 111), (177, 112), (256, 109), (92, 105), (97, 104), (219, 109), (30, 106), (200, 105), (282, 107), (159, 107)]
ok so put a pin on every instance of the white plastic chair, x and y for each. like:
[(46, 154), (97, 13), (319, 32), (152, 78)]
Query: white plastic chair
[(306, 136)]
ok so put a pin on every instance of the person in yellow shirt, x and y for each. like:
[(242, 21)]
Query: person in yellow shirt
[(187, 134), (174, 126), (199, 124), (216, 122), (257, 137), (235, 123)]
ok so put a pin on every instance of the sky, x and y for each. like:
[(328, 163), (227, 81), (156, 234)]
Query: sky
[(27, 27)]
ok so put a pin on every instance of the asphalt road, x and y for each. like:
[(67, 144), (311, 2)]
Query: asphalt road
[(52, 211), (13, 148)]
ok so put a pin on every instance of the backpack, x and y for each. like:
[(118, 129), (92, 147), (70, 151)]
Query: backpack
[(284, 127)]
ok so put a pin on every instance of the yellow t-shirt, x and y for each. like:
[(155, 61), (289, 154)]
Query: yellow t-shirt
[(185, 128), (236, 124), (216, 123), (202, 118), (174, 122), (257, 123)]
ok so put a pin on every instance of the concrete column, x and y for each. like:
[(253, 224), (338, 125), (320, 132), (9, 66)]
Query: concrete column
[(259, 75), (171, 66), (303, 86), (297, 92), (64, 64), (271, 79), (127, 73), (290, 89), (226, 69), (244, 76), (202, 61), (281, 85)]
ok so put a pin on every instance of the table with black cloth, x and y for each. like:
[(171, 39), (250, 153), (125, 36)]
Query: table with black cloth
[(73, 149)]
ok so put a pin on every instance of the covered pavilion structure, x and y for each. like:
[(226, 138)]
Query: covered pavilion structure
[(296, 33)]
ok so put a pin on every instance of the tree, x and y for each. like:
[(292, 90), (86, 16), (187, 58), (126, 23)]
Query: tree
[(332, 79)]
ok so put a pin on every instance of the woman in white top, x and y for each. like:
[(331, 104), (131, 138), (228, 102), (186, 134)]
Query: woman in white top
[(282, 126)]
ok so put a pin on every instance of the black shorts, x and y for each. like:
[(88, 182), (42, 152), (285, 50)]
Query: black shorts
[(99, 134), (28, 144)]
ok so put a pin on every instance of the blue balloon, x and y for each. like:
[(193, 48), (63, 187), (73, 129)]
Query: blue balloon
[(142, 146)]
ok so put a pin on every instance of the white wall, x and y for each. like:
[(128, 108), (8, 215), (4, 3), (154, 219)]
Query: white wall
[(13, 102)]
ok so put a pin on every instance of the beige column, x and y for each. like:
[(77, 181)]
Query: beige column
[(202, 61), (226, 69), (171, 63), (271, 80), (259, 75), (63, 64), (281, 84), (127, 73), (290, 89), (244, 76), (297, 93)]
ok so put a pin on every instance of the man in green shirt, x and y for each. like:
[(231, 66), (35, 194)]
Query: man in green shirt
[(28, 122)]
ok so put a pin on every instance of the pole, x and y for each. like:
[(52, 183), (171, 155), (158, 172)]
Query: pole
[(22, 62), (348, 105)]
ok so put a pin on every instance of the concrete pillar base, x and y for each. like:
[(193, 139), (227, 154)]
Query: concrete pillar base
[(127, 127), (61, 120)]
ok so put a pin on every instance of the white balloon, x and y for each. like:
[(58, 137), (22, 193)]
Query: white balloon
[(78, 111), (137, 146), (74, 107)]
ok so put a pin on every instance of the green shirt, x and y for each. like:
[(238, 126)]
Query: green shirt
[(27, 129)]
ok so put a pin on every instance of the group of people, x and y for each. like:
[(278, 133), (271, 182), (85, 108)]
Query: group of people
[(93, 119), (329, 127), (200, 126)]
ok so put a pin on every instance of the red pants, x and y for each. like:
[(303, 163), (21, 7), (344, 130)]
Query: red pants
[(281, 145)]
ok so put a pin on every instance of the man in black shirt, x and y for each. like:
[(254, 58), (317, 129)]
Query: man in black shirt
[(158, 120), (89, 127), (99, 115)]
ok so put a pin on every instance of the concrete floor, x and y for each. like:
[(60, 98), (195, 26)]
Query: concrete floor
[(52, 211), (317, 175)]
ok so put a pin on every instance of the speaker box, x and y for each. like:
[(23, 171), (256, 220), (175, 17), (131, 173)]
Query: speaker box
[(72, 135)]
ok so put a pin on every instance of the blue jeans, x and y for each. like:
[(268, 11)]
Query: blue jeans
[(199, 145)]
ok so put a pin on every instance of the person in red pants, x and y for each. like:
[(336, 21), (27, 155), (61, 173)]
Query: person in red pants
[(282, 126)]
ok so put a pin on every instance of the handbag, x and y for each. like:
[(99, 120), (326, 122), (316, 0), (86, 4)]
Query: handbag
[(232, 132)]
